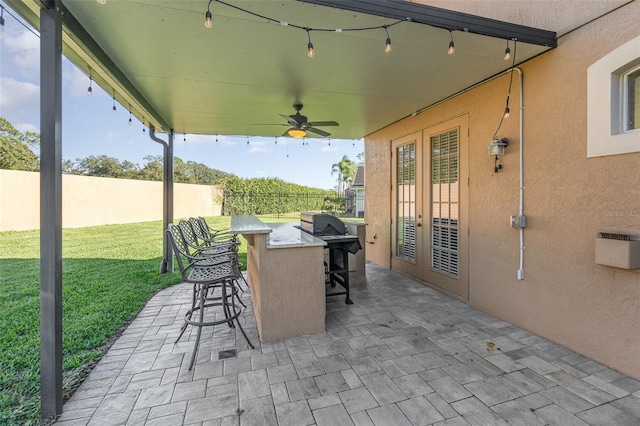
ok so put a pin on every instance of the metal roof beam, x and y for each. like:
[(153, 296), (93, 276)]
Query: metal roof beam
[(446, 19)]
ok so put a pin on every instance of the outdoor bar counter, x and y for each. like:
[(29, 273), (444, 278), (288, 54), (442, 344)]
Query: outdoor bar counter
[(286, 275)]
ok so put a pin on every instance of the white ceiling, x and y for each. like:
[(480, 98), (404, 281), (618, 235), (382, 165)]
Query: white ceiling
[(237, 77)]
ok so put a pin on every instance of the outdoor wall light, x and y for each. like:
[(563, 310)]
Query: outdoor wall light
[(498, 147), (297, 133)]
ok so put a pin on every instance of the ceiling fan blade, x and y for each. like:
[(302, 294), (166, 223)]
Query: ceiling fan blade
[(318, 131), (290, 120), (323, 123)]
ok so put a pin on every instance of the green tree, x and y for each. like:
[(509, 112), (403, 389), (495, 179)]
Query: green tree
[(101, 166), (153, 168), (346, 170), (16, 148)]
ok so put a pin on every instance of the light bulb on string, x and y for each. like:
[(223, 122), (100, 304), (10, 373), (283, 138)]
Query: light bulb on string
[(452, 48), (387, 45), (144, 128), (207, 16), (115, 110), (310, 51), (90, 89), (276, 140), (216, 138), (506, 112), (507, 52), (130, 122), (184, 137)]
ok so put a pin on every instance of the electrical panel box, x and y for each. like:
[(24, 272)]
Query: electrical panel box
[(518, 221)]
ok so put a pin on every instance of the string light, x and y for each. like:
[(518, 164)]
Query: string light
[(216, 138), (207, 16), (310, 51), (507, 52), (115, 111), (90, 89), (184, 137), (144, 128), (387, 45), (1, 18), (506, 109), (130, 122), (452, 48), (276, 140)]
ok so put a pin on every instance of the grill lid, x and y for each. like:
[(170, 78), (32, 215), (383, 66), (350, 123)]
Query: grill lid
[(322, 224)]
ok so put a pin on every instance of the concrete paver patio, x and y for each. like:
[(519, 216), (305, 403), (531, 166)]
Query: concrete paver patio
[(402, 354)]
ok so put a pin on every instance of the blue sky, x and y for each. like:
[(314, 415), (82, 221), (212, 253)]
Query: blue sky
[(89, 126)]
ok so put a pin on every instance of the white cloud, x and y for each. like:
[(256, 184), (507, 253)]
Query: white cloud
[(19, 102), (204, 139), (258, 146), (26, 127), (76, 82), (330, 148), (24, 48)]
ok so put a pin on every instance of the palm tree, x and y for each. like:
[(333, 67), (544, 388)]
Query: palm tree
[(346, 171)]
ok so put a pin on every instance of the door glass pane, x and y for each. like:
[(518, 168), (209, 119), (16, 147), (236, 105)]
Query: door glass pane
[(444, 203), (406, 203)]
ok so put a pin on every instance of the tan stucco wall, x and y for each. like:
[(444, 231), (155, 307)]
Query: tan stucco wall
[(564, 297), (287, 301), (90, 201)]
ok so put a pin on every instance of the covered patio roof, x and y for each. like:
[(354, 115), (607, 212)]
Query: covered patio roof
[(239, 77), (158, 59)]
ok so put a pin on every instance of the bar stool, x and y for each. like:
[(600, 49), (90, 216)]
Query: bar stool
[(208, 273)]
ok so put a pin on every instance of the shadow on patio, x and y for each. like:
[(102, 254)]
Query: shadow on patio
[(402, 354)]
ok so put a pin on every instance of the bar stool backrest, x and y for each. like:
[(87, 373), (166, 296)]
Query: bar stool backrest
[(180, 248), (198, 231)]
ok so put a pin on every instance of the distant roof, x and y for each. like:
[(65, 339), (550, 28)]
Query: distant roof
[(358, 181)]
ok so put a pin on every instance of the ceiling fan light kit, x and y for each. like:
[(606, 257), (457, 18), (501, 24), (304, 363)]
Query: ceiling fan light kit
[(297, 133)]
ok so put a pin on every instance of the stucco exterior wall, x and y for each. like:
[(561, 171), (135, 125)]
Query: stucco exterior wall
[(564, 297), (91, 201)]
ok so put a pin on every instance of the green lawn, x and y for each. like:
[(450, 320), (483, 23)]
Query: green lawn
[(109, 272)]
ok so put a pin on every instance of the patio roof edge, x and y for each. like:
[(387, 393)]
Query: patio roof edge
[(446, 19)]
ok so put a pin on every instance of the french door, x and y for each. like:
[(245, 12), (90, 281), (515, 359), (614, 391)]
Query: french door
[(430, 212), (406, 199)]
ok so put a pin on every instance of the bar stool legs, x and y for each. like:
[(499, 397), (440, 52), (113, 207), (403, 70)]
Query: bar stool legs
[(202, 299)]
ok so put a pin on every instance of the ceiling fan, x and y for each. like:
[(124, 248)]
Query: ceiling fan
[(299, 125)]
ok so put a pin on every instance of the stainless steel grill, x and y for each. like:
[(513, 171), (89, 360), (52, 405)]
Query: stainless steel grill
[(319, 224), (339, 244)]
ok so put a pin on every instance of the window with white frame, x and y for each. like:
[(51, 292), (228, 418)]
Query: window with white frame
[(613, 102)]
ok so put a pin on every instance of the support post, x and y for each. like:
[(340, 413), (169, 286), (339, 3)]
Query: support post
[(167, 197), (50, 210)]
